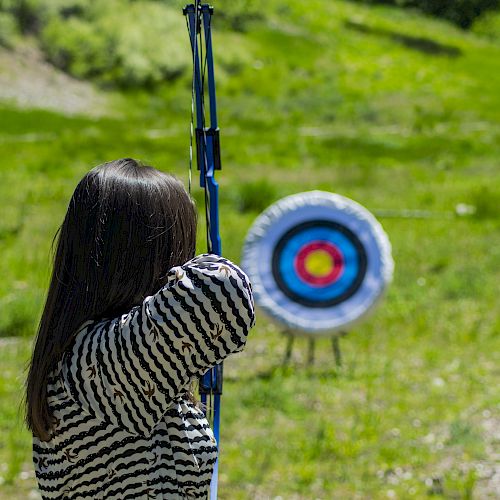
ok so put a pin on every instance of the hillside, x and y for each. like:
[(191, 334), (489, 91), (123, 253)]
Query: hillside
[(393, 109)]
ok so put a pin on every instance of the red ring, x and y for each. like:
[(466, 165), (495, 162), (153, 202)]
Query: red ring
[(326, 279)]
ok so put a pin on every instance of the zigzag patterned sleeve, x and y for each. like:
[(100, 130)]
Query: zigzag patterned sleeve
[(129, 370)]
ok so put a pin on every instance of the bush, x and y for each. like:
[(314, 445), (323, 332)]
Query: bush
[(139, 45), (238, 15), (8, 29), (32, 15), (255, 196), (488, 26), (150, 43), (127, 43), (486, 202), (461, 12), (78, 47)]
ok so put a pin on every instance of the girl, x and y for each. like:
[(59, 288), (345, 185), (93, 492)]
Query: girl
[(131, 318)]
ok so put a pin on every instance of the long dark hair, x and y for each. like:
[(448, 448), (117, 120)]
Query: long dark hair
[(127, 224)]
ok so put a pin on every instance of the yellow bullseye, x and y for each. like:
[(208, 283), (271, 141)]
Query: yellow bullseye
[(319, 263)]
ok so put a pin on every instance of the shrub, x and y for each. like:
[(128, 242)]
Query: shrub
[(139, 45), (488, 26), (32, 15), (150, 44), (8, 29), (486, 202), (255, 196), (123, 42), (237, 15), (78, 47)]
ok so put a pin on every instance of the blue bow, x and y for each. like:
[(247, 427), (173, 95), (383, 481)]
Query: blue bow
[(198, 18)]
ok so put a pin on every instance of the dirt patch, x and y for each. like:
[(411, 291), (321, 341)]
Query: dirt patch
[(488, 470), (27, 80)]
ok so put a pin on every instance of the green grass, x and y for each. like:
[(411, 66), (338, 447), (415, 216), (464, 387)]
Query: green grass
[(315, 95)]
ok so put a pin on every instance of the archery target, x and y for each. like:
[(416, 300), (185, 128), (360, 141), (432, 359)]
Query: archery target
[(318, 262)]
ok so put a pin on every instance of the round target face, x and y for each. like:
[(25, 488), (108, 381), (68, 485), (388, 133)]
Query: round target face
[(318, 262)]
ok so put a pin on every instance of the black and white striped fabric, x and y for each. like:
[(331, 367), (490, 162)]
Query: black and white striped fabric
[(124, 428)]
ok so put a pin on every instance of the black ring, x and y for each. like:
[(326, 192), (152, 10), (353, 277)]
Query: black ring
[(362, 263)]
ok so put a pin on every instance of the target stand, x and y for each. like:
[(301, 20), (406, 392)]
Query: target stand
[(319, 263), (337, 354)]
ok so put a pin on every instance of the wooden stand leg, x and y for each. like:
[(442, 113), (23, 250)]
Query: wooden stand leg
[(310, 358), (336, 351), (288, 352)]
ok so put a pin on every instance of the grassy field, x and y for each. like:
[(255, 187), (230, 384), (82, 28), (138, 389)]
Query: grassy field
[(394, 110)]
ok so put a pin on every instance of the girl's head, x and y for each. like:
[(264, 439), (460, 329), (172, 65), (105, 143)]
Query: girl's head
[(126, 225)]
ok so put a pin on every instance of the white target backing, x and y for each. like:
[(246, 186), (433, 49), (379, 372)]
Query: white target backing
[(318, 262)]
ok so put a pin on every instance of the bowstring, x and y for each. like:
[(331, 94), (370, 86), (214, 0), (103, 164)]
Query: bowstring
[(191, 131)]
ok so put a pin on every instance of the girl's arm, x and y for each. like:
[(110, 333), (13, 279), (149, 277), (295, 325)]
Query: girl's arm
[(129, 370)]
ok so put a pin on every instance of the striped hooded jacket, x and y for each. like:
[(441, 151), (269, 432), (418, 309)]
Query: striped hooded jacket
[(124, 428)]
